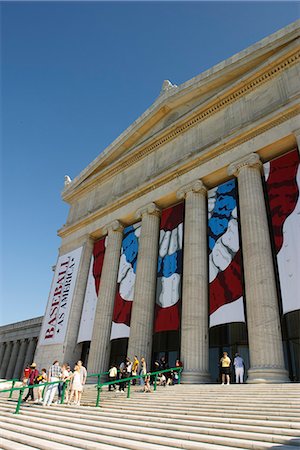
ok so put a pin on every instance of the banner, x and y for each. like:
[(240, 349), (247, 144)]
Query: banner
[(282, 177), (91, 293), (169, 271), (225, 272), (125, 283), (60, 299)]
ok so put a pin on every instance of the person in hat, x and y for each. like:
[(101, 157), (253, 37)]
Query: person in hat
[(32, 376)]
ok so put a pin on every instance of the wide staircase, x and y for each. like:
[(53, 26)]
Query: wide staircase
[(187, 417)]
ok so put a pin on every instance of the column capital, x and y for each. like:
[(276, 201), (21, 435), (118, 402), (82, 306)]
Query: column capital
[(151, 209), (195, 186), (115, 226), (252, 160)]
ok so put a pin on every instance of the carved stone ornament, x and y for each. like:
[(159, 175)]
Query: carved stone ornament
[(196, 186), (151, 208), (251, 160), (113, 226)]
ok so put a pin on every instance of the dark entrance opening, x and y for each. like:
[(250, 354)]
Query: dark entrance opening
[(167, 344), (231, 338), (118, 351)]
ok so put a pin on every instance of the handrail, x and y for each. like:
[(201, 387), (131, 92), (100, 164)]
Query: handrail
[(21, 390), (99, 386), (124, 380)]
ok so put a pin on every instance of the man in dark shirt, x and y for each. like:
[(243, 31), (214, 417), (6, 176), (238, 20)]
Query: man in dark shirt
[(31, 380)]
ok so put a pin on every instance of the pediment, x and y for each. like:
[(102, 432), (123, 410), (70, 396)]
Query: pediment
[(177, 103)]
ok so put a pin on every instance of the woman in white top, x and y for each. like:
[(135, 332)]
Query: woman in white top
[(76, 386)]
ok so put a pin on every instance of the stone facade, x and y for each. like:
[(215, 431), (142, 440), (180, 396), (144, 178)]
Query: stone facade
[(221, 125), (18, 343)]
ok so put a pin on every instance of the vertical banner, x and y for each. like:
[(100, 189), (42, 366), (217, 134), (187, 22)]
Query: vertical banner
[(225, 272), (60, 299), (169, 271), (282, 177), (125, 283), (91, 293)]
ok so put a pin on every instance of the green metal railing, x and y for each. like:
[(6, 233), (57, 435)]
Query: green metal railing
[(99, 385), (21, 390)]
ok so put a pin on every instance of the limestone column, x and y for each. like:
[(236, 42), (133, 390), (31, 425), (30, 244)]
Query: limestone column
[(142, 316), (6, 359), (2, 351), (12, 361), (20, 359), (194, 316), (297, 136), (100, 344), (264, 331), (30, 351)]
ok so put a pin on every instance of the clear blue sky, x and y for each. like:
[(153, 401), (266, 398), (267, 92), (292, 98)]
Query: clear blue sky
[(74, 76)]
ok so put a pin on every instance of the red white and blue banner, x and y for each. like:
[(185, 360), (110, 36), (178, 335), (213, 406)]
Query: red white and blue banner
[(225, 271), (91, 294), (282, 177), (125, 283), (56, 318), (169, 272)]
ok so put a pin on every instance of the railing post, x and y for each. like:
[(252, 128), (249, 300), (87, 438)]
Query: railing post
[(11, 391), (128, 390), (99, 376), (65, 385), (155, 381), (98, 395), (19, 401), (179, 375)]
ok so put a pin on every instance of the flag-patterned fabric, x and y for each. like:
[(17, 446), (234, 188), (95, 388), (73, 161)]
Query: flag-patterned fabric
[(91, 293), (282, 177), (225, 271), (169, 271), (126, 282)]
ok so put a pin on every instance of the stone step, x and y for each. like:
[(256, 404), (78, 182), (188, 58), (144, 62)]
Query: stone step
[(100, 414), (15, 436), (7, 444), (169, 430), (88, 439), (165, 423)]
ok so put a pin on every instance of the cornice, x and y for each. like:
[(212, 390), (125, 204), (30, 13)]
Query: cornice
[(200, 159), (216, 105)]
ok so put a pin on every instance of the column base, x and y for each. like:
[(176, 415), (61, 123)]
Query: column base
[(268, 375), (195, 377)]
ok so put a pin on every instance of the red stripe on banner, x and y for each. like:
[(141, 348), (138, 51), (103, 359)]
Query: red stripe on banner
[(283, 192), (98, 253), (227, 286), (171, 217), (122, 310), (167, 319)]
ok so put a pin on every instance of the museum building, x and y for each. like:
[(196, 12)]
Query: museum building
[(182, 238)]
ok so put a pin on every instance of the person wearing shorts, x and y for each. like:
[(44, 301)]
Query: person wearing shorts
[(225, 368)]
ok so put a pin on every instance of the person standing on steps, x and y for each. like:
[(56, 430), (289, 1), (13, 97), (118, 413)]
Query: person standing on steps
[(31, 380), (54, 374), (135, 368), (238, 363), (225, 362)]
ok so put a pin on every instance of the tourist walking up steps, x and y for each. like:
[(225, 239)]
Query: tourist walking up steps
[(77, 386), (135, 368), (112, 376), (54, 374), (238, 363), (225, 362), (83, 372), (143, 371), (31, 380)]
